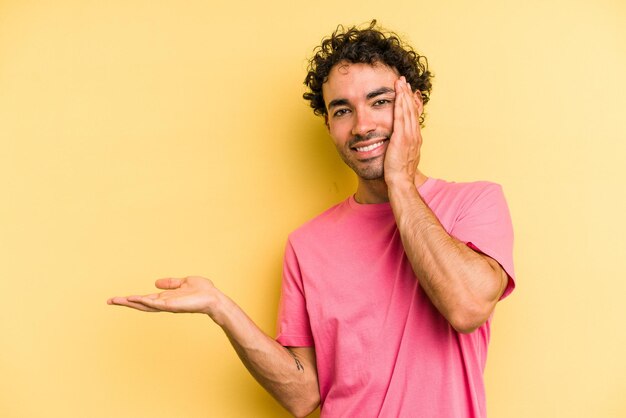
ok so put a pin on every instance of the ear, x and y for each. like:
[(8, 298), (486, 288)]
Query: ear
[(326, 121), (417, 95)]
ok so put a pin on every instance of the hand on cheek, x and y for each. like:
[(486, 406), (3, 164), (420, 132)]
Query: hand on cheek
[(403, 152)]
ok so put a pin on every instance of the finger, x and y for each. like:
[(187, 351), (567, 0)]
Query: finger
[(398, 116), (121, 301), (135, 298), (411, 125), (406, 112), (169, 283), (150, 301), (412, 109), (415, 117)]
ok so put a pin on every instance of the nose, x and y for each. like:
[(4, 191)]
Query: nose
[(363, 122)]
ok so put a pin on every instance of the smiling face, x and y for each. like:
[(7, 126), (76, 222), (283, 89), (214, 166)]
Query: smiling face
[(360, 100)]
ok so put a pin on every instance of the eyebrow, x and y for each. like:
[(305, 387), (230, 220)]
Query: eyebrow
[(337, 102), (370, 95), (378, 92)]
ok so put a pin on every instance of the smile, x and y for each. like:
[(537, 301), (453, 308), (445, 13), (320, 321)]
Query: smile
[(370, 147)]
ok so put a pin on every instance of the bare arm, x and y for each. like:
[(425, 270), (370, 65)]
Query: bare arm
[(288, 374), (464, 285)]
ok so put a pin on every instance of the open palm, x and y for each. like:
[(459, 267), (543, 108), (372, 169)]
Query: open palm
[(191, 294)]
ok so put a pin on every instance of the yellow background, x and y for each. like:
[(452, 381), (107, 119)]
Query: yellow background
[(145, 139)]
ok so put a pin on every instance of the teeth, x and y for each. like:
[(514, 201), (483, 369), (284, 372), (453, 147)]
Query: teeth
[(369, 147)]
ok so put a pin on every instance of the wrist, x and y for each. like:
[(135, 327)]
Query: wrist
[(399, 182), (218, 308)]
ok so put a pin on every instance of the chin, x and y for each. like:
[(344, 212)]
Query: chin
[(371, 174), (367, 170)]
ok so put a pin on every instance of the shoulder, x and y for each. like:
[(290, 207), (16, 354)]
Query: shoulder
[(463, 193), (320, 223), (465, 188), (457, 203)]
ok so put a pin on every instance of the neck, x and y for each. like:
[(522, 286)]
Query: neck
[(376, 191)]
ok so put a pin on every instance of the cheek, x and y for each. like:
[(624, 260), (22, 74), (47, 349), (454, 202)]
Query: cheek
[(383, 118), (387, 117), (339, 131)]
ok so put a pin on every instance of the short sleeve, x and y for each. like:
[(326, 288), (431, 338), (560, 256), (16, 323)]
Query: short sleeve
[(485, 226), (293, 327)]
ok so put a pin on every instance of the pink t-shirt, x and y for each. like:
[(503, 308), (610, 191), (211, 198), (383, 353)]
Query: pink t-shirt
[(382, 348)]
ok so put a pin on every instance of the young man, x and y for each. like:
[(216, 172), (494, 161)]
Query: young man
[(387, 297)]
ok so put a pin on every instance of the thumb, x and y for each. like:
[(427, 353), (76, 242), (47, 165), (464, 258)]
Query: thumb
[(169, 283)]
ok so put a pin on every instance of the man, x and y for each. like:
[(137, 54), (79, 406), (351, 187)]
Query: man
[(387, 297)]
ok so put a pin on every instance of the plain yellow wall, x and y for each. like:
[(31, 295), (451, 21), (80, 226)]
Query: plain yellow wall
[(144, 139)]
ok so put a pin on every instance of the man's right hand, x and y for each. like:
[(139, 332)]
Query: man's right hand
[(189, 295), (289, 374)]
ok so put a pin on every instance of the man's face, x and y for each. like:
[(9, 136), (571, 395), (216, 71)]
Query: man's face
[(360, 101)]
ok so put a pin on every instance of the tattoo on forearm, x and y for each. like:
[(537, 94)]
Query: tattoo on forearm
[(298, 363)]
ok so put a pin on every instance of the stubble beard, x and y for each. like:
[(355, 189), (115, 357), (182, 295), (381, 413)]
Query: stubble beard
[(372, 169)]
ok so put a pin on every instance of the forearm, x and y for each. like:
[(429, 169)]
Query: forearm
[(290, 378), (462, 284)]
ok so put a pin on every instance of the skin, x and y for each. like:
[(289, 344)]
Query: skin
[(368, 106)]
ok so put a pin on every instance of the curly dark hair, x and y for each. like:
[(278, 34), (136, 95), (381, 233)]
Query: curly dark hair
[(366, 46)]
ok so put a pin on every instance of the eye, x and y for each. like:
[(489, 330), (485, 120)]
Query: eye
[(340, 112), (381, 102)]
